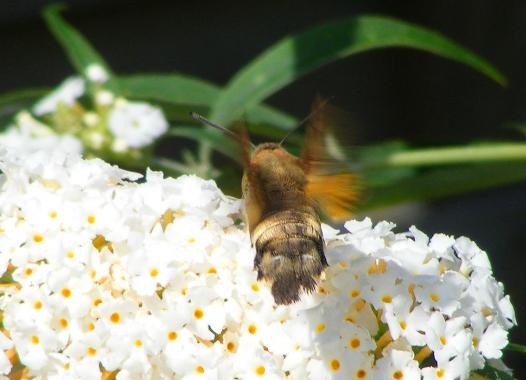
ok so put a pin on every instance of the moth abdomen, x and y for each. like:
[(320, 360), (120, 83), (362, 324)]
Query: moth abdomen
[(289, 253)]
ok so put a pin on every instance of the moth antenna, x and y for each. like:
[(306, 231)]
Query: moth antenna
[(204, 120), (307, 118)]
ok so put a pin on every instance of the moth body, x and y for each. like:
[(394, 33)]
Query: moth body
[(283, 194), (284, 225)]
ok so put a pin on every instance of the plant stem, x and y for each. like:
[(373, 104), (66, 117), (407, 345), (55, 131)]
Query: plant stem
[(516, 347), (423, 354), (453, 155), (171, 166)]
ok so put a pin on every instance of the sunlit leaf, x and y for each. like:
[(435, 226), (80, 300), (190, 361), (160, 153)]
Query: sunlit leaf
[(193, 92), (170, 88), (296, 55), (219, 142)]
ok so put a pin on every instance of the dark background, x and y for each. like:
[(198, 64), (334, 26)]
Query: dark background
[(394, 93)]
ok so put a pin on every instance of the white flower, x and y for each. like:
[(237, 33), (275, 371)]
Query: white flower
[(156, 280), (96, 73), (104, 97), (137, 124), (398, 365), (492, 341), (448, 338), (68, 91)]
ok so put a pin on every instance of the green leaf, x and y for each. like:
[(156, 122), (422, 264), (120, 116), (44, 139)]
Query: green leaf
[(436, 183), (169, 88), (381, 175), (491, 373), (14, 101), (296, 55), (219, 142), (262, 114), (78, 49), (186, 90)]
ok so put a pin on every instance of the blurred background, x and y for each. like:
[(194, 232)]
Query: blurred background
[(389, 93)]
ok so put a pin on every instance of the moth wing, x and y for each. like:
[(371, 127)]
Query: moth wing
[(330, 185)]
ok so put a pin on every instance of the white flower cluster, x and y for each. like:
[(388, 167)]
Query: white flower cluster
[(155, 280), (113, 121), (27, 135)]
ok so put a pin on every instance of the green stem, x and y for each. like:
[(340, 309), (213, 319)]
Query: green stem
[(453, 155), (205, 154), (516, 347), (170, 166)]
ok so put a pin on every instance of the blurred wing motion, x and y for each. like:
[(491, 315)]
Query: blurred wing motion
[(329, 184)]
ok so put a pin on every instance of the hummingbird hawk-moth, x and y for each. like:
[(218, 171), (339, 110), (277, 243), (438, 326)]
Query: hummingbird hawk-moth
[(283, 194)]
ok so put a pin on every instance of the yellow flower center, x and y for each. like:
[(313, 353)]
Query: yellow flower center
[(355, 343), (198, 313), (260, 370), (360, 374), (115, 317), (335, 364), (63, 323)]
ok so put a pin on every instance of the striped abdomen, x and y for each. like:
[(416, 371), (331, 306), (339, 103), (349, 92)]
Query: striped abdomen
[(289, 252)]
